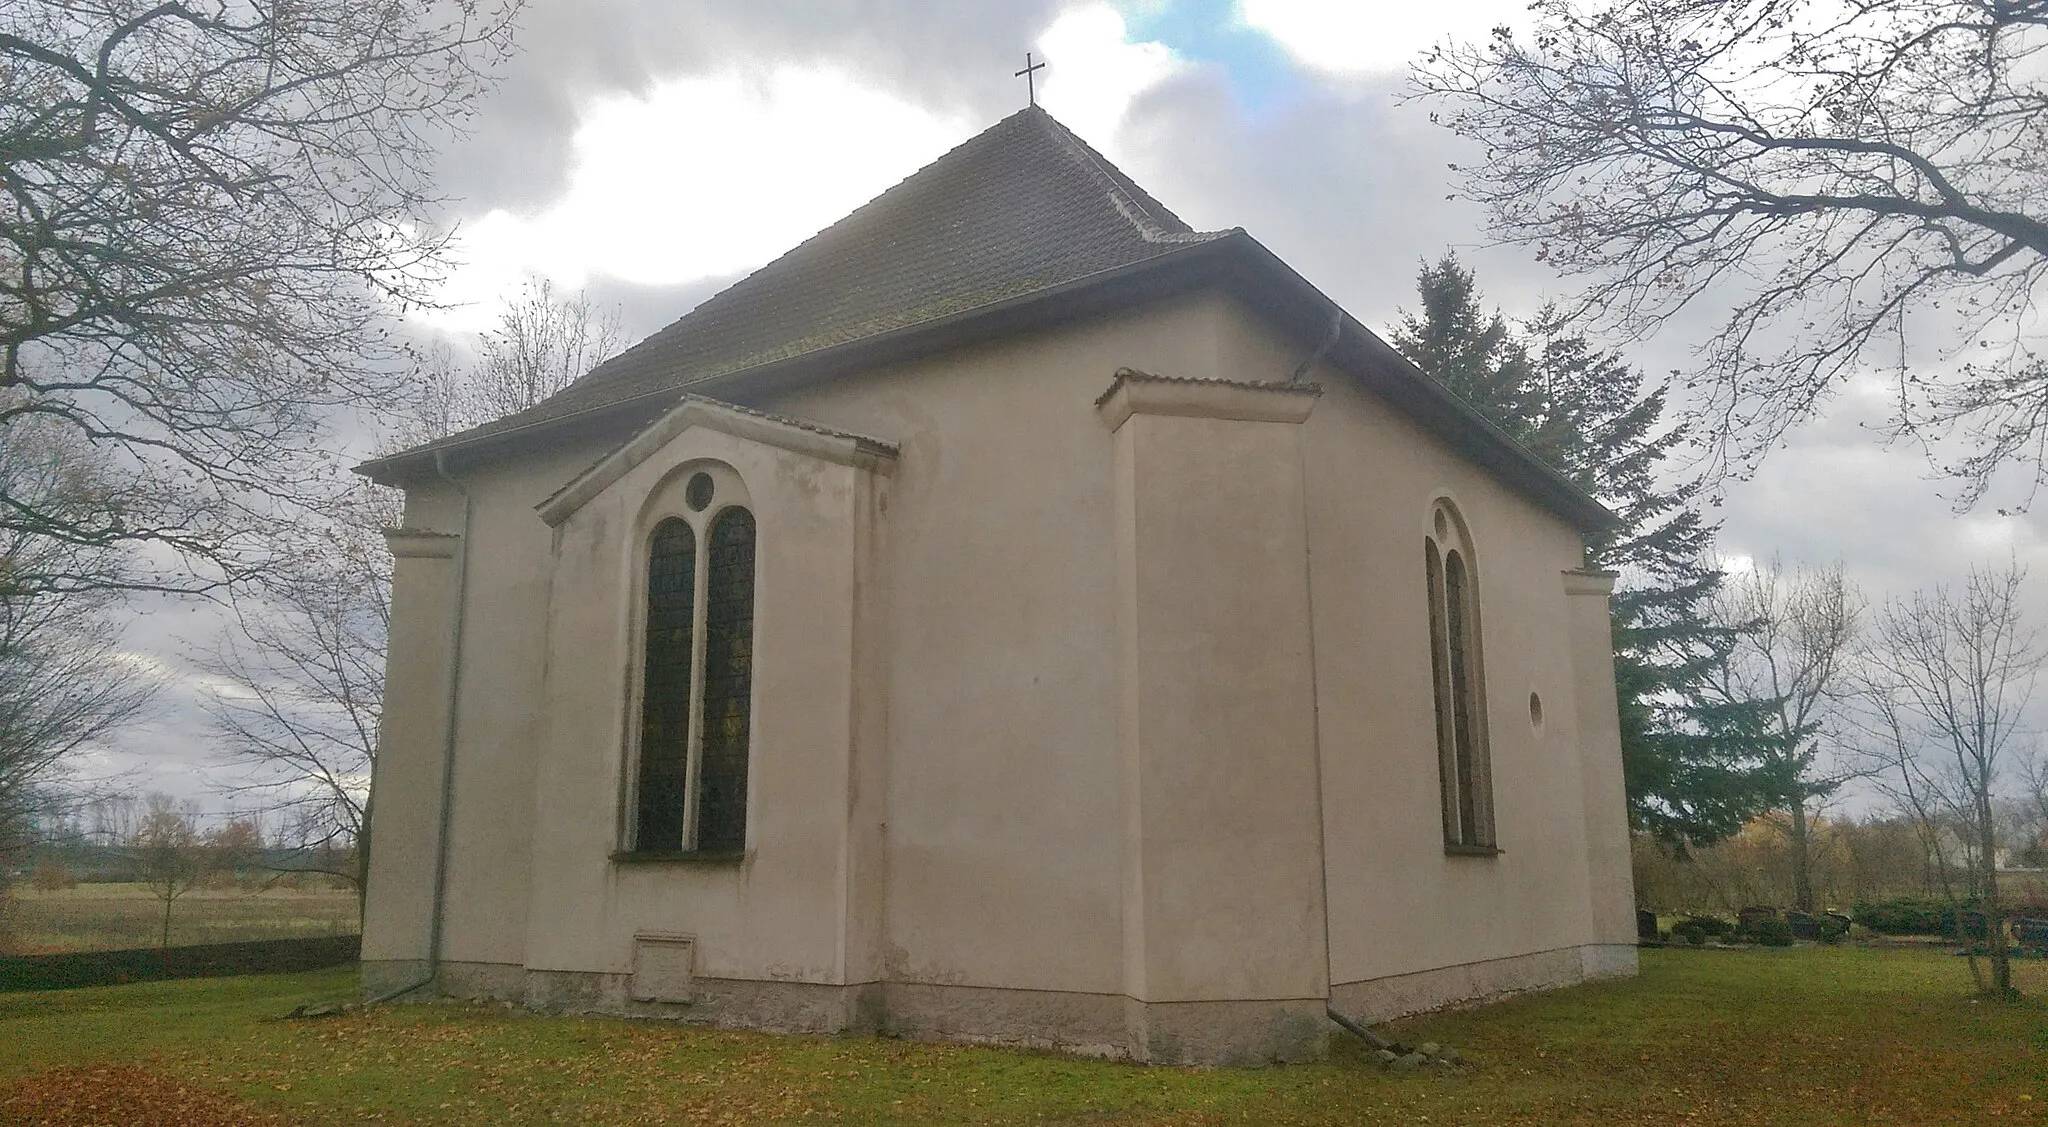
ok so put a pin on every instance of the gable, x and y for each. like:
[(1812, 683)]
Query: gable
[(822, 443)]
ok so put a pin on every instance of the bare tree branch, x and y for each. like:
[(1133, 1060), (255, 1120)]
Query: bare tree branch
[(301, 678), (1829, 169), (207, 210)]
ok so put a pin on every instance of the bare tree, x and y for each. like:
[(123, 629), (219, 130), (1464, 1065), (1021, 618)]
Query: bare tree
[(543, 342), (233, 847), (166, 848), (64, 685), (1836, 168), (206, 208), (1792, 638), (1949, 683), (302, 673), (300, 680)]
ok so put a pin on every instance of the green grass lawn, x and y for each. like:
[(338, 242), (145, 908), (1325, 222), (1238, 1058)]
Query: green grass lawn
[(104, 917), (1804, 1035)]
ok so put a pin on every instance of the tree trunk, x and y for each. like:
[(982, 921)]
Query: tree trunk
[(165, 941), (1802, 861), (1994, 912)]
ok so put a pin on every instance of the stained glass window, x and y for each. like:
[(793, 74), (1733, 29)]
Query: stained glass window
[(1440, 683), (1455, 676), (728, 682), (1457, 633), (665, 688)]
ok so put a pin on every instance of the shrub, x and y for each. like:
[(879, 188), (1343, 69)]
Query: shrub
[(1690, 932), (1907, 915), (51, 876), (1832, 930), (1774, 933), (1712, 926)]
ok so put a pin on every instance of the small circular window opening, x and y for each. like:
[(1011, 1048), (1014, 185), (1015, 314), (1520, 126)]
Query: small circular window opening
[(697, 493)]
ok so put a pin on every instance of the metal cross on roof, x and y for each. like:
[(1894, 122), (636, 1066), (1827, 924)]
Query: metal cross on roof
[(1030, 77)]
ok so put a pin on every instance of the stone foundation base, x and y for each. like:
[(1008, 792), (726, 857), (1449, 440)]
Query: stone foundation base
[(1383, 999), (1234, 1033), (1103, 1025)]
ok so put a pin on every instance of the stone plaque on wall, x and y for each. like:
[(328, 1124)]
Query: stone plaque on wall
[(663, 966)]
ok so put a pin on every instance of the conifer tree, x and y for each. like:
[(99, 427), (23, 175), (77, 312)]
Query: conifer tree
[(1694, 764)]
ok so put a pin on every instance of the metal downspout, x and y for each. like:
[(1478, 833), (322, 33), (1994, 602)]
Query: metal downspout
[(1356, 1028), (433, 970)]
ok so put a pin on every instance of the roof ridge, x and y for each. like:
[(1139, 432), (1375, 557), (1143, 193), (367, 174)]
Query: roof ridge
[(1123, 192), (676, 326)]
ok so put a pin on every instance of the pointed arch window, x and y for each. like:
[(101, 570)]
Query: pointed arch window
[(1458, 683), (697, 674)]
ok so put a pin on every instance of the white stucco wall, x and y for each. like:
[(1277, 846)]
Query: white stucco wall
[(1002, 699), (948, 804)]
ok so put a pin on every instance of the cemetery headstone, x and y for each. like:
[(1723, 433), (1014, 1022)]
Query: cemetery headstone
[(2031, 933)]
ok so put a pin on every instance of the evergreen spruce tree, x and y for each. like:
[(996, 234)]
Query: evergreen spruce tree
[(1695, 766)]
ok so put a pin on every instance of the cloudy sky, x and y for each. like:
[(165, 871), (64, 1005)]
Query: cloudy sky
[(654, 150)]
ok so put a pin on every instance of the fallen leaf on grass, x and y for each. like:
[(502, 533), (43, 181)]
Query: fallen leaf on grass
[(123, 1096)]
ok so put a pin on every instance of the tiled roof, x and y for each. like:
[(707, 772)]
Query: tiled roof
[(1023, 224), (1022, 207)]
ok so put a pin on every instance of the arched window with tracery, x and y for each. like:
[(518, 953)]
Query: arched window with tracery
[(1458, 682), (697, 674)]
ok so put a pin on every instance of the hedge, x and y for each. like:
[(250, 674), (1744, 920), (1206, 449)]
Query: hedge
[(1906, 915), (105, 968)]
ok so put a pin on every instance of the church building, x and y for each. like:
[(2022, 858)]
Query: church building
[(1010, 616)]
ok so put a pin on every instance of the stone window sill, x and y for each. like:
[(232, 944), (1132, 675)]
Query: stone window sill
[(1456, 849), (688, 857)]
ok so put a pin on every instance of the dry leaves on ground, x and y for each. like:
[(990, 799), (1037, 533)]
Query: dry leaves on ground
[(123, 1096)]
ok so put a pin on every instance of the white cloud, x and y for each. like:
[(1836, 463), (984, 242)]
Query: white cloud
[(1094, 72), (1347, 38), (701, 177)]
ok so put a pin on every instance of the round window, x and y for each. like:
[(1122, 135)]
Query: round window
[(698, 493)]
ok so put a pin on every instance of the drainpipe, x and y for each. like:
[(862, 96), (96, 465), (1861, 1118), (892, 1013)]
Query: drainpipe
[(1356, 1028), (447, 749), (1364, 1032)]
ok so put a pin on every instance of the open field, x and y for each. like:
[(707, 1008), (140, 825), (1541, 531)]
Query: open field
[(1796, 1036), (100, 917)]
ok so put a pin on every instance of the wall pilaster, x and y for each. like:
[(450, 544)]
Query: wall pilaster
[(411, 740), (1223, 888), (1610, 874)]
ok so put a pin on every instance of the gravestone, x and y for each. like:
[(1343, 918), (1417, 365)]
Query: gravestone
[(1750, 917), (1804, 925), (1646, 925), (2031, 933)]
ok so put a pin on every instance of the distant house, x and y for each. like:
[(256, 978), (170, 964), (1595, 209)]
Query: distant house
[(1011, 615)]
